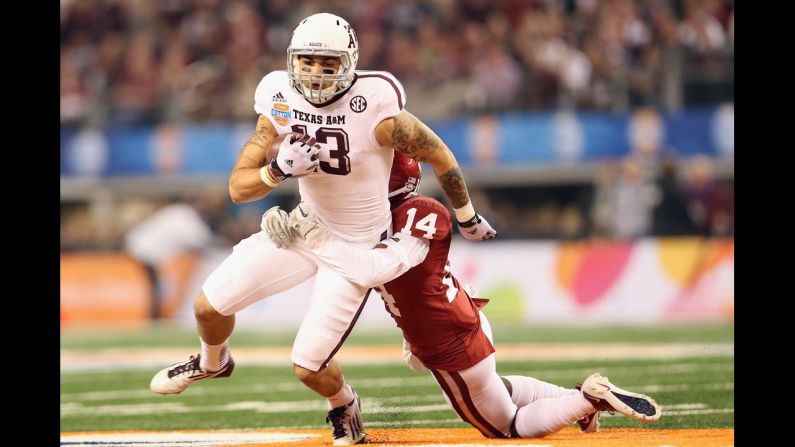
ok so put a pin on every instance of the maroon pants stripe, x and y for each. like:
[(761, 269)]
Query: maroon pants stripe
[(446, 388), (462, 386), (348, 332)]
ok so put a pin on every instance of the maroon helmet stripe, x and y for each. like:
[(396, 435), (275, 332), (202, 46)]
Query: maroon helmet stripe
[(348, 332), (397, 90), (446, 388), (472, 408)]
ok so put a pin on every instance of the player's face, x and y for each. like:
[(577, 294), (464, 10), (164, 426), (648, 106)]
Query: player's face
[(317, 65)]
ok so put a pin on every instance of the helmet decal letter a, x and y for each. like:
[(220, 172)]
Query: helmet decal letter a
[(351, 42)]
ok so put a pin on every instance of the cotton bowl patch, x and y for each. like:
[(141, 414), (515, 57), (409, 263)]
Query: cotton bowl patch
[(281, 113)]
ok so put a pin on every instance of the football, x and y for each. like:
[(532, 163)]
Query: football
[(273, 148), (275, 144)]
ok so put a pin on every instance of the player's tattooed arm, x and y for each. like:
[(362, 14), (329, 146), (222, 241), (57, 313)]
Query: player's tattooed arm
[(452, 182), (413, 138), (410, 136), (252, 154), (245, 184)]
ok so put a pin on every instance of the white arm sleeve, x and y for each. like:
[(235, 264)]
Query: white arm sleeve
[(375, 266)]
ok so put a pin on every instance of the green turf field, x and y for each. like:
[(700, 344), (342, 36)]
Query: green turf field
[(695, 392)]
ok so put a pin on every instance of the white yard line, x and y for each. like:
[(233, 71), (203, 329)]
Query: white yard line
[(423, 380), (467, 445), (179, 439), (199, 439), (80, 376), (370, 406), (130, 358)]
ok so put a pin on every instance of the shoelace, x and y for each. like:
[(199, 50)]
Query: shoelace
[(191, 365), (336, 417)]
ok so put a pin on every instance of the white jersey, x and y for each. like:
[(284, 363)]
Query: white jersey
[(349, 194)]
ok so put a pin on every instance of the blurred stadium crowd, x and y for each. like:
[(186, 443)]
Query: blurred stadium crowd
[(146, 61), (131, 63)]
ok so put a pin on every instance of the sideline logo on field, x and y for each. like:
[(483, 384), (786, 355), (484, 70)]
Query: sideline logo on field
[(179, 439)]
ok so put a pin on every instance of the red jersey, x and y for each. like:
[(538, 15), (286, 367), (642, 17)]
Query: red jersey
[(438, 318)]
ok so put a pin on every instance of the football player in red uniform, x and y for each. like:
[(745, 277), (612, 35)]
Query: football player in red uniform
[(443, 328)]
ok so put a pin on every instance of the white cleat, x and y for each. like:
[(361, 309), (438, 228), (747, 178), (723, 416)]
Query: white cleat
[(347, 422), (590, 423), (605, 396), (177, 377)]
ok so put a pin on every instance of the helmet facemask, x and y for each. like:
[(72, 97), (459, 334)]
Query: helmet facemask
[(404, 178), (408, 190), (340, 81)]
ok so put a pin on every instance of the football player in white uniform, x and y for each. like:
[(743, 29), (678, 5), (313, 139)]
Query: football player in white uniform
[(352, 122)]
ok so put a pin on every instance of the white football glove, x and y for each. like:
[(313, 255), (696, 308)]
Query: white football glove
[(276, 224), (303, 221), (411, 360), (295, 159), (477, 229)]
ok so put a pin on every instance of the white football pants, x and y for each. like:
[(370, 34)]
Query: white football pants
[(256, 269)]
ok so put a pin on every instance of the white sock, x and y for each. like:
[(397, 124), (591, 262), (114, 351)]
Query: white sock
[(342, 397), (549, 415), (214, 357), (527, 390)]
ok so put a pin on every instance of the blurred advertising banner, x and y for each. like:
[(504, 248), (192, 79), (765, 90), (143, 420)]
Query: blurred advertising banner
[(113, 287), (593, 282), (647, 281), (503, 140)]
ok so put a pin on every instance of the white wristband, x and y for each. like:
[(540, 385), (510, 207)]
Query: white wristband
[(266, 178), (464, 213)]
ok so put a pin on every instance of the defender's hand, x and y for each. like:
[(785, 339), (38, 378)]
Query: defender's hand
[(476, 229), (411, 360), (276, 224), (303, 220), (295, 159)]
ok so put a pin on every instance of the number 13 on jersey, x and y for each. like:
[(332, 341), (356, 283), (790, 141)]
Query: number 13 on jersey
[(340, 153)]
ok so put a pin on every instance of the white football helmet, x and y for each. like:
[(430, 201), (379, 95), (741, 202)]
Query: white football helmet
[(323, 34)]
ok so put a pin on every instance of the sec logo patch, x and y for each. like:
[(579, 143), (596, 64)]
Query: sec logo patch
[(358, 104)]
